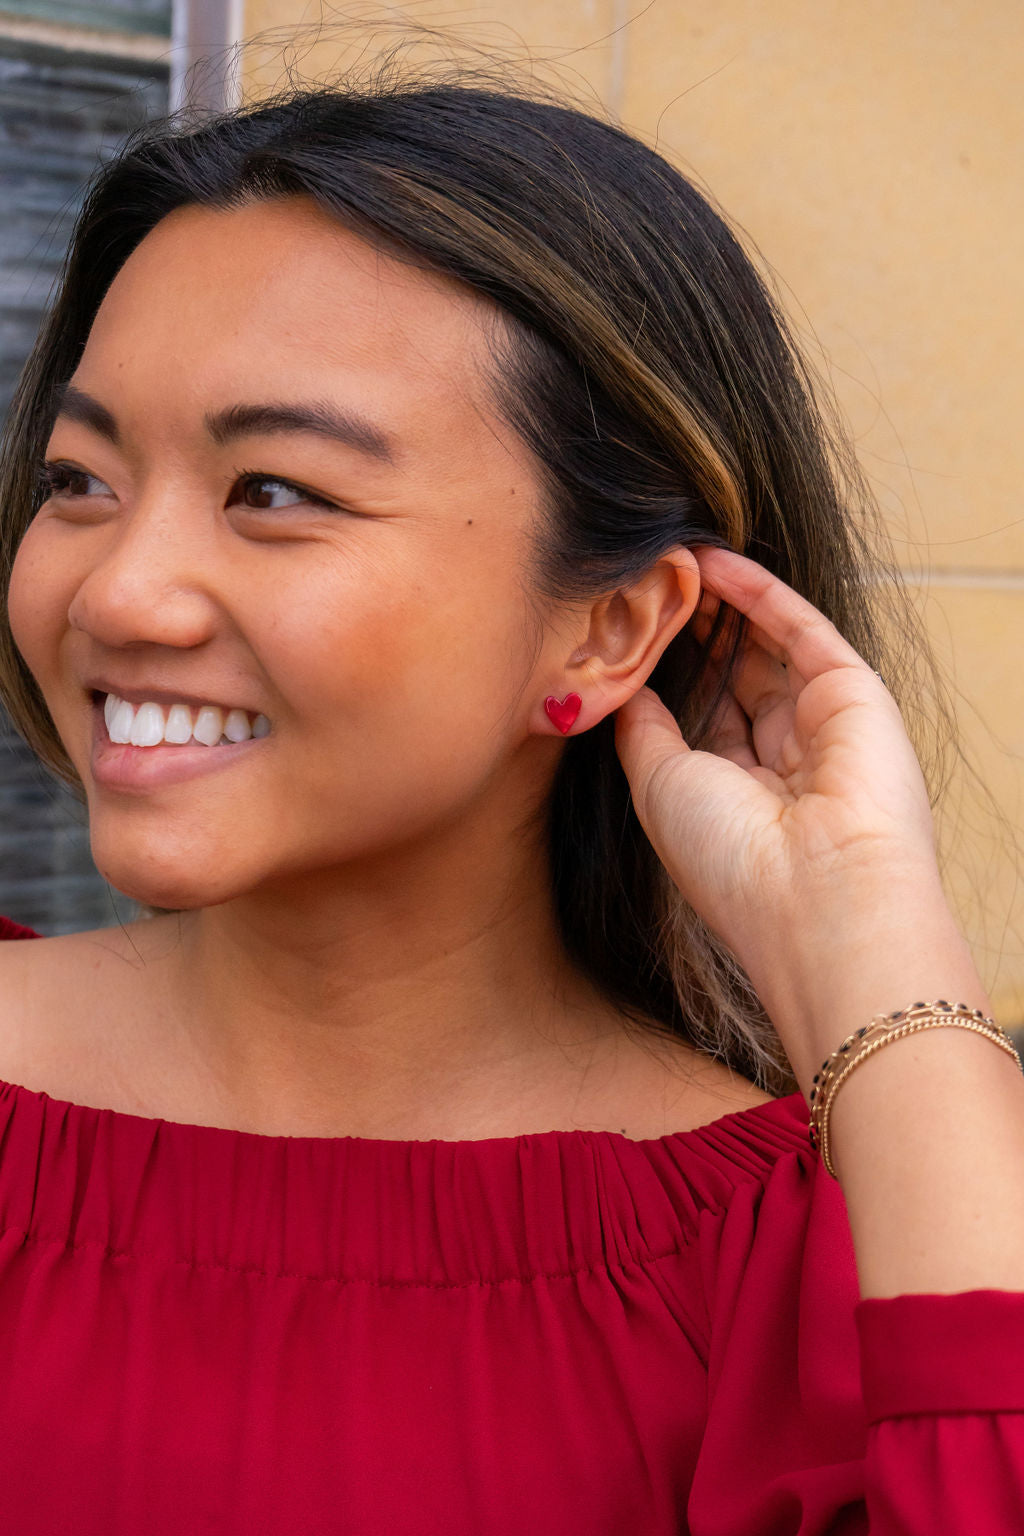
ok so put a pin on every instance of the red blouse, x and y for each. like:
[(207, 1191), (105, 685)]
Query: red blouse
[(562, 1334)]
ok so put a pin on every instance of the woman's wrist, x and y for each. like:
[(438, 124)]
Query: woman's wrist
[(875, 954)]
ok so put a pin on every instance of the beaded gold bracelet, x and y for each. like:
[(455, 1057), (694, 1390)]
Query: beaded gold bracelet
[(881, 1031)]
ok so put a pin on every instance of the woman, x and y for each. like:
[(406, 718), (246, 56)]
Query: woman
[(435, 1155)]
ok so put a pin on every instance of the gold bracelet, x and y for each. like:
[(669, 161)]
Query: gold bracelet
[(897, 1034), (882, 1030), (882, 1022)]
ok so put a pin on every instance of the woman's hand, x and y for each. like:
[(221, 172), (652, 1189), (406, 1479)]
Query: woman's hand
[(806, 831)]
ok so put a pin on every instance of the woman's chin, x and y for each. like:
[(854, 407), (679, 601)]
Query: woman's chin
[(171, 889)]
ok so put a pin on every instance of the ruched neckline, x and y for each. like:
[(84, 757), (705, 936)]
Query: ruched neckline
[(354, 1209)]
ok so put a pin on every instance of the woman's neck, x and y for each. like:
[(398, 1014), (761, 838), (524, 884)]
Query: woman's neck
[(396, 997)]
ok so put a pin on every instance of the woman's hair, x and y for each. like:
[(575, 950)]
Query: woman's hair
[(649, 369)]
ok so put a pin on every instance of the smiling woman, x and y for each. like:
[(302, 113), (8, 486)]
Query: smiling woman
[(615, 353), (381, 448)]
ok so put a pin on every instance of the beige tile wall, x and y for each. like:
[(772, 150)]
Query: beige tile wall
[(872, 153)]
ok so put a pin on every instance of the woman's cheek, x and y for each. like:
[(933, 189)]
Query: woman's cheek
[(34, 601)]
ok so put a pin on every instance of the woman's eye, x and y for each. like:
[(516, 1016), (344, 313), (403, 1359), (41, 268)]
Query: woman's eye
[(255, 486), (55, 479), (261, 492)]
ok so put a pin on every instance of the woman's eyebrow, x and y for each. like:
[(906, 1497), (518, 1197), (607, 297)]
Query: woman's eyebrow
[(236, 421)]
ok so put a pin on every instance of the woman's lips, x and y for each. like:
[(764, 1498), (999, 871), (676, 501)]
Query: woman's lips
[(140, 768)]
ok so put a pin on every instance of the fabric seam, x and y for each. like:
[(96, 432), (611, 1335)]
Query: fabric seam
[(146, 1255)]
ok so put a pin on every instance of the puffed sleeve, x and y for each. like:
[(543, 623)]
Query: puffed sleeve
[(901, 1416), (943, 1386)]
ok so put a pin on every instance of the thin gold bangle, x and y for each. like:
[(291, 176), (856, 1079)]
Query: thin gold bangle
[(859, 1038), (995, 1033)]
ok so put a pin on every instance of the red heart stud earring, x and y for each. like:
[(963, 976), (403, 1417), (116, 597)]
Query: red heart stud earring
[(563, 712)]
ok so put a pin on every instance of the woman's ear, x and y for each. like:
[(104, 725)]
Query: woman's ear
[(628, 630)]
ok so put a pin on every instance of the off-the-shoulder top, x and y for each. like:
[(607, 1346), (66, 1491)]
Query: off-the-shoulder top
[(562, 1334)]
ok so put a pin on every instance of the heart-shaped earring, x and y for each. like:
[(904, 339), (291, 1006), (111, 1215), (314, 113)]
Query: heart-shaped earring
[(563, 712)]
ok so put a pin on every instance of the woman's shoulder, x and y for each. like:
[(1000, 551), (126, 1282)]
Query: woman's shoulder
[(52, 990), (719, 1092), (727, 1092), (24, 959), (668, 1086)]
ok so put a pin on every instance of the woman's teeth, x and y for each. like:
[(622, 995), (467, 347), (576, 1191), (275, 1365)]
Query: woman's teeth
[(149, 725)]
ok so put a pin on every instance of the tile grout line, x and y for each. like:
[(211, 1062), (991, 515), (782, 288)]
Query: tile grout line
[(994, 580)]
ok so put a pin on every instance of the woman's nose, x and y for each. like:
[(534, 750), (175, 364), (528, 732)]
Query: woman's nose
[(153, 581)]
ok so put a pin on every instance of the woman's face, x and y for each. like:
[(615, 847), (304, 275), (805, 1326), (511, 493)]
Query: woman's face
[(365, 587)]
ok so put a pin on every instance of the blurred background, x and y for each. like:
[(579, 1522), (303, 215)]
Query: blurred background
[(870, 157)]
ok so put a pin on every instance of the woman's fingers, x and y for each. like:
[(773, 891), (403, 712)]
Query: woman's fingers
[(788, 626), (787, 643), (758, 666), (647, 738), (730, 735), (761, 683), (762, 692)]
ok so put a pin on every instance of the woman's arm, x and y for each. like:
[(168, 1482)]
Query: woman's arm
[(806, 841), (927, 1136)]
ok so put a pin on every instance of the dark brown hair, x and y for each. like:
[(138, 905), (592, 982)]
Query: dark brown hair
[(648, 367)]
